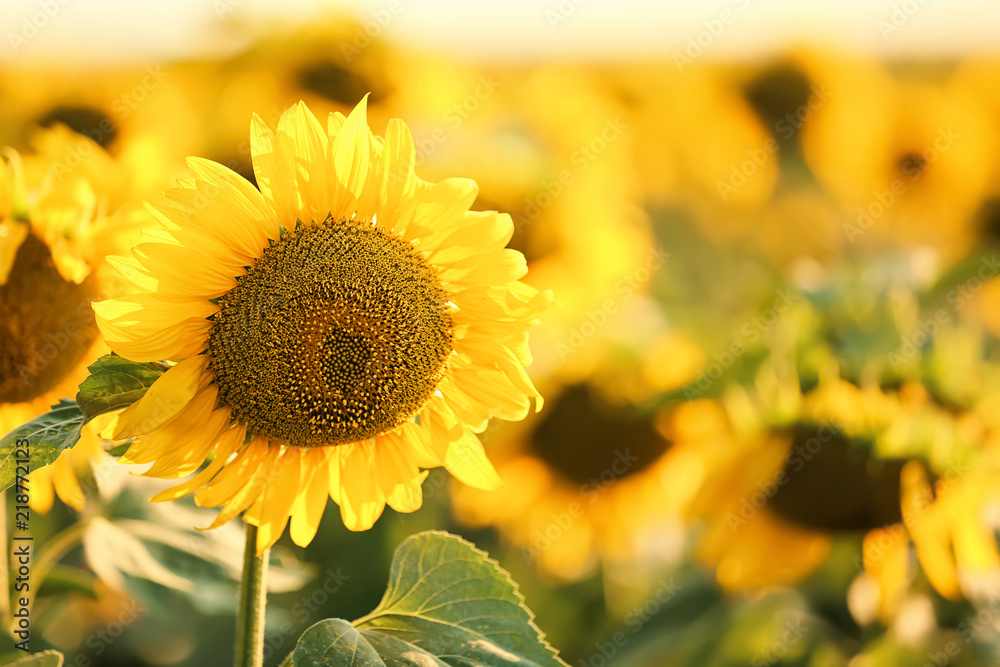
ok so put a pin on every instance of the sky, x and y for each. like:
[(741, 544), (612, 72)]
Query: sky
[(112, 31)]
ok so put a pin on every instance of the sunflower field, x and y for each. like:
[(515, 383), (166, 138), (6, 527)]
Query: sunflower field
[(324, 346)]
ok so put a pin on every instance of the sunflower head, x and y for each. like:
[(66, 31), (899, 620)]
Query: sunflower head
[(61, 211), (46, 281), (335, 331)]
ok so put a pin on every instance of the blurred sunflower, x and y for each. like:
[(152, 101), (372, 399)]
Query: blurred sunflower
[(910, 161), (59, 219), (329, 64), (839, 461), (592, 478), (587, 214), (977, 76), (66, 99), (335, 332), (721, 158), (787, 92), (470, 120), (145, 117)]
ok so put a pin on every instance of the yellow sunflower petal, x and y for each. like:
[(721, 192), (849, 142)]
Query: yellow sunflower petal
[(414, 438), (398, 181), (486, 353), (170, 394), (311, 500), (151, 311), (361, 499), (350, 149), (248, 486), (408, 496), (489, 268), (176, 342), (885, 553), (300, 135), (234, 474), (466, 460), (184, 271), (252, 224), (185, 460), (176, 433), (333, 470), (334, 122), (275, 173), (229, 442), (928, 527), (493, 391), (133, 272), (394, 466), (278, 498), (484, 230), (440, 208)]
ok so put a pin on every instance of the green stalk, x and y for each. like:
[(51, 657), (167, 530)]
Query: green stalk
[(253, 598)]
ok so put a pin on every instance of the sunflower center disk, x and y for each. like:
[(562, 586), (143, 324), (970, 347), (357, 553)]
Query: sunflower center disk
[(339, 333), (832, 486), (589, 442), (46, 324)]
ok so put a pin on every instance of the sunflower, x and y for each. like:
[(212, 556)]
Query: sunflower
[(909, 159), (336, 331), (146, 117), (976, 75), (57, 224), (842, 462), (582, 210), (592, 479), (319, 63), (470, 120), (722, 157)]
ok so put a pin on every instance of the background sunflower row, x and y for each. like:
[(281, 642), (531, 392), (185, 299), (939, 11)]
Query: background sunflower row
[(772, 384)]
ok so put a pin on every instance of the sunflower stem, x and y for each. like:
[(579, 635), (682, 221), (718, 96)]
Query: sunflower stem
[(250, 610)]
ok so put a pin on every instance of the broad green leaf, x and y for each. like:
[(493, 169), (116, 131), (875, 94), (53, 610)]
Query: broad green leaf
[(447, 604), (43, 659), (115, 383), (47, 436)]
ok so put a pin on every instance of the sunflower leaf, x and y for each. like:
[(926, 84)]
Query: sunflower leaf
[(447, 604), (47, 435), (43, 659), (115, 383)]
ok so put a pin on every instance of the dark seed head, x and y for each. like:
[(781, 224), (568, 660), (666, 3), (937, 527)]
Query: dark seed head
[(46, 324), (339, 333)]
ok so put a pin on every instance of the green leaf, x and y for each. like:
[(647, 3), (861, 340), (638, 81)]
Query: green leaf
[(47, 436), (447, 604), (115, 383), (43, 659)]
